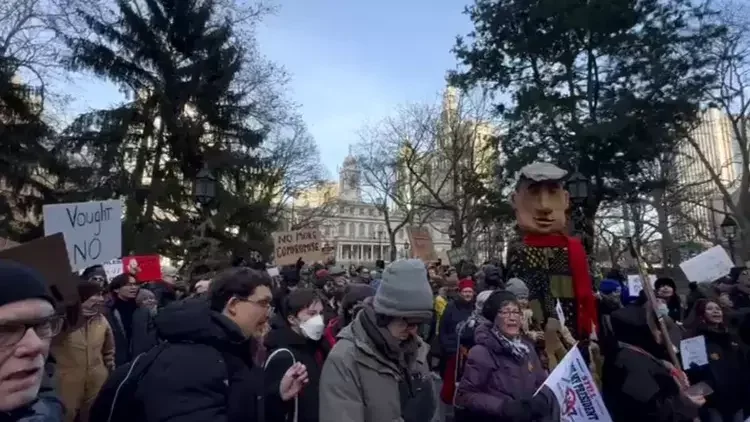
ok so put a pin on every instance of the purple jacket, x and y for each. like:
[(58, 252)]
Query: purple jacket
[(492, 375)]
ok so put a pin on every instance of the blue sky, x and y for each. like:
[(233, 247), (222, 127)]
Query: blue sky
[(351, 62)]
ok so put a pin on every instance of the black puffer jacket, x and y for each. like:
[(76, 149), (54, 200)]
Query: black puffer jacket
[(306, 351), (205, 374)]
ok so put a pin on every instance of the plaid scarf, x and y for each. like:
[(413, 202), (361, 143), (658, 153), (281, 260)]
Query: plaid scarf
[(517, 348)]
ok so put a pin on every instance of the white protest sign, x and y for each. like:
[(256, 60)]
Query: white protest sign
[(113, 268), (92, 230), (273, 271), (693, 352), (635, 285), (708, 266), (574, 388)]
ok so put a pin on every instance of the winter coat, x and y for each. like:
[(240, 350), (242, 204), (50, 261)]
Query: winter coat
[(637, 385), (205, 374), (726, 372), (308, 353), (144, 336), (85, 356), (455, 313), (121, 324), (493, 377), (360, 384)]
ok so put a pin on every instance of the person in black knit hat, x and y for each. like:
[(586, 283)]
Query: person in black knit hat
[(28, 322)]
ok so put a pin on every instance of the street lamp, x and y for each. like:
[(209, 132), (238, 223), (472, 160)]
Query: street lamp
[(406, 248), (578, 188), (452, 235), (204, 187), (729, 230)]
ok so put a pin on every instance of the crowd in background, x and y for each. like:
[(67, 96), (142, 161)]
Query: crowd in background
[(408, 341)]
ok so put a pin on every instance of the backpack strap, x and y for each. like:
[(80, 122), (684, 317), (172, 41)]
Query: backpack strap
[(136, 368), (294, 360)]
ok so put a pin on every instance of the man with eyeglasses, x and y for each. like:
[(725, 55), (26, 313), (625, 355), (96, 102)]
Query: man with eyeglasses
[(205, 371), (27, 324)]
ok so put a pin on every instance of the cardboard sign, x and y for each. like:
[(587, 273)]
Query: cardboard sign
[(456, 255), (708, 266), (92, 230), (148, 267), (293, 245), (421, 244), (48, 255), (113, 268)]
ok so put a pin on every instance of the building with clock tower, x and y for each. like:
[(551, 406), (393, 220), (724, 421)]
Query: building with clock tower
[(350, 188)]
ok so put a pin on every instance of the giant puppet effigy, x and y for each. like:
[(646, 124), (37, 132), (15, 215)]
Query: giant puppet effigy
[(553, 265)]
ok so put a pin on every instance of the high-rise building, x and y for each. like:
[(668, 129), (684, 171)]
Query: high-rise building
[(715, 138)]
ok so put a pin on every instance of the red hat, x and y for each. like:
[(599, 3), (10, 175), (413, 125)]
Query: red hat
[(466, 283), (321, 274)]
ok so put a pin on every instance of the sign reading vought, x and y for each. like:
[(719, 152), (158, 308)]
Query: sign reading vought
[(302, 244), (92, 230)]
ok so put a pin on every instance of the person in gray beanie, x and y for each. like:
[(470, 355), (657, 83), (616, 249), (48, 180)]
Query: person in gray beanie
[(381, 352), (518, 288)]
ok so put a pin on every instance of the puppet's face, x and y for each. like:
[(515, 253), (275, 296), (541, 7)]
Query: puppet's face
[(540, 207)]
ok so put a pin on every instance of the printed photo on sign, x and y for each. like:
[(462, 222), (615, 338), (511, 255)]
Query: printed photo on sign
[(92, 230), (635, 285), (693, 352)]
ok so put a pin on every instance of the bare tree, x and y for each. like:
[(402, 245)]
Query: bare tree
[(731, 96), (455, 152), (299, 186), (384, 157)]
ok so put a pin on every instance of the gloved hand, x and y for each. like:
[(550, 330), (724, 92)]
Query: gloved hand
[(542, 404)]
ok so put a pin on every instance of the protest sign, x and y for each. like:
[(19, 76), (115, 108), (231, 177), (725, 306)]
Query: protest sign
[(146, 267), (92, 230), (421, 244), (113, 268), (293, 245), (49, 257), (455, 255), (693, 352), (573, 386), (708, 266), (635, 285)]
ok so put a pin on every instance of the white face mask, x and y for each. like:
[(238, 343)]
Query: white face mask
[(313, 327)]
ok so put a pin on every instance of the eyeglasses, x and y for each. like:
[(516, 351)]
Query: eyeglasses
[(11, 333), (264, 303)]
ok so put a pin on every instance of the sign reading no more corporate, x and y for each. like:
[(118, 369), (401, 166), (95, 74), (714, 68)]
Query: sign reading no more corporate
[(293, 245), (92, 230)]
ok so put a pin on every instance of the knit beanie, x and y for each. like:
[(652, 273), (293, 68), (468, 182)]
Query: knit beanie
[(404, 291), (518, 288), (354, 293), (481, 299), (19, 282), (87, 288), (608, 286), (665, 281), (466, 283)]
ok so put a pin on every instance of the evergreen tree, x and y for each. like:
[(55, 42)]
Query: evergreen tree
[(599, 86), (180, 63)]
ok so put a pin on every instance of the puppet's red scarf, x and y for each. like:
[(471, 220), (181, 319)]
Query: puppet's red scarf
[(579, 271)]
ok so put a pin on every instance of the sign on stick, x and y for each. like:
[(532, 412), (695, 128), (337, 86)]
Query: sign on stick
[(293, 245)]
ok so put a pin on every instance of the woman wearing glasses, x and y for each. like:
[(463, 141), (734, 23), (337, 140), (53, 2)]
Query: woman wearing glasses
[(85, 352), (503, 372), (27, 324)]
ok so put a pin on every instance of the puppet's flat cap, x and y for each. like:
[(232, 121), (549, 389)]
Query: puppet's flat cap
[(542, 172)]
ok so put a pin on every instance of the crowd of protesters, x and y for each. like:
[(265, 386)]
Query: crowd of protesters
[(404, 342)]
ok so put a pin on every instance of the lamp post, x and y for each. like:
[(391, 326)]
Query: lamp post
[(406, 249), (452, 235), (380, 244), (729, 230), (204, 187), (578, 188)]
